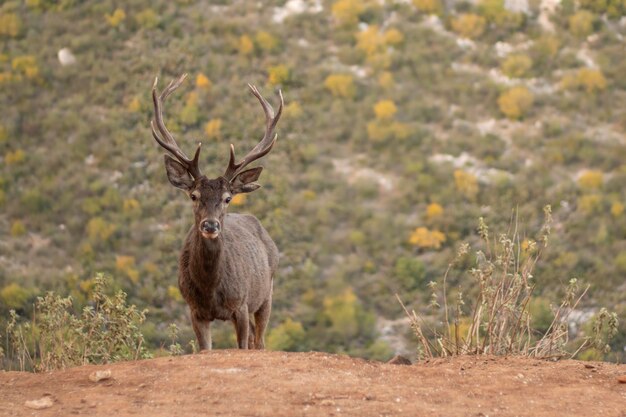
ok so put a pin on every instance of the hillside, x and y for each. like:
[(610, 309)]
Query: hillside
[(405, 122), (237, 383)]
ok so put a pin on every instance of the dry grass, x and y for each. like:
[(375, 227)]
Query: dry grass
[(499, 322)]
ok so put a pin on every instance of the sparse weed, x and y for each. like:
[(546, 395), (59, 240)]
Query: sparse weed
[(174, 348), (498, 321)]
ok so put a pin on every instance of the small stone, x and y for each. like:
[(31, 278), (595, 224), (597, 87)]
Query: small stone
[(621, 379), (589, 366), (40, 404), (98, 376), (66, 57), (399, 360)]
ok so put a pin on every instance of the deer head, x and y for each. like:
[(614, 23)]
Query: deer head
[(210, 197)]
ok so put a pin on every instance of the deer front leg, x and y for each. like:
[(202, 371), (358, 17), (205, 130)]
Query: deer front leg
[(242, 326), (202, 329)]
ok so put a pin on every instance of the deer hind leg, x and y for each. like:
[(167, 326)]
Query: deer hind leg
[(241, 320), (262, 318), (251, 335), (202, 329)]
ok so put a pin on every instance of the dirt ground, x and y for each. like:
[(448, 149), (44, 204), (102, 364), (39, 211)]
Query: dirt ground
[(255, 383)]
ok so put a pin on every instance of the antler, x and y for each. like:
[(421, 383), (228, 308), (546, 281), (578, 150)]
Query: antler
[(265, 145), (163, 136)]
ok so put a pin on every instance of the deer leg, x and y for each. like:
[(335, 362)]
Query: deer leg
[(241, 320), (262, 318), (251, 335), (202, 329)]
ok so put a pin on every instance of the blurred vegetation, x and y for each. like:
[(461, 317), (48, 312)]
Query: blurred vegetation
[(404, 122)]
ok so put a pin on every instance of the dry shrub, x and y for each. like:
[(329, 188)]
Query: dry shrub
[(496, 321)]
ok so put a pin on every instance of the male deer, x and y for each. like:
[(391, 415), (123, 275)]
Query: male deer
[(228, 261)]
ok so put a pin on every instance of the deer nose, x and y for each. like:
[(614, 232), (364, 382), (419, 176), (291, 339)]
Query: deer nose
[(210, 226)]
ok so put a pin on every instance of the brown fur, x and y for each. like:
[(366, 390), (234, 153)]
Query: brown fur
[(229, 277)]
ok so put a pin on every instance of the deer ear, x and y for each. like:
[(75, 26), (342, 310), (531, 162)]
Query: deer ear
[(244, 181), (177, 174)]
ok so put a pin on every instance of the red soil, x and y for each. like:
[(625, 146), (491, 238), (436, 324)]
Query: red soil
[(257, 383)]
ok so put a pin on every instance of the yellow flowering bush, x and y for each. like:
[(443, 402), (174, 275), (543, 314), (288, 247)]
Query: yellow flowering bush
[(516, 102), (427, 239), (469, 25), (340, 85)]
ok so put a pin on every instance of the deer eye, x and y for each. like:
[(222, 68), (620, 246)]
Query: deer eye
[(228, 200), (193, 197)]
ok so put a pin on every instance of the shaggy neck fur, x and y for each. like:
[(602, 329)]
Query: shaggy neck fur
[(204, 263)]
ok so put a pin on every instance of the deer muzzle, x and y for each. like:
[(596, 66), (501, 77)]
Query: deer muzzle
[(210, 228)]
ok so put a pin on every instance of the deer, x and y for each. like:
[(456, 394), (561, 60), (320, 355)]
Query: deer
[(227, 263)]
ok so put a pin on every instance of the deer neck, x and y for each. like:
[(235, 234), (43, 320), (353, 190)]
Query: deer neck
[(205, 261)]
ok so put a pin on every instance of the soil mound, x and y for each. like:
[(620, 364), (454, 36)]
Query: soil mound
[(262, 383)]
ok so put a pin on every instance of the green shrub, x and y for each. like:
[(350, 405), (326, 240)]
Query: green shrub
[(288, 336), (14, 296), (107, 330), (147, 19), (469, 25), (517, 66), (613, 8), (409, 272), (581, 24)]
